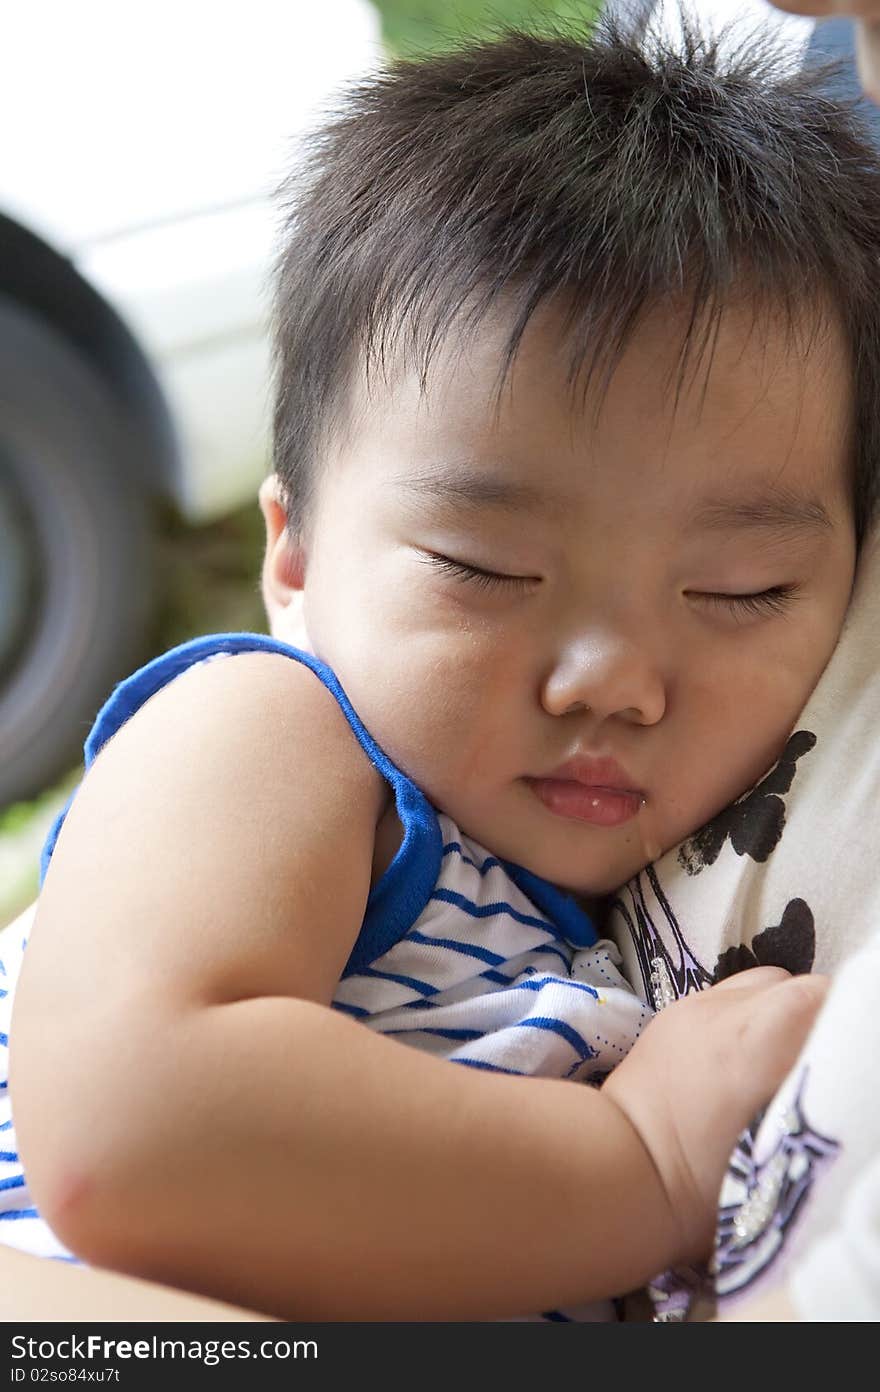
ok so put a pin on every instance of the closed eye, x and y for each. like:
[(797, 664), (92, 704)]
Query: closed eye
[(760, 605), (476, 575)]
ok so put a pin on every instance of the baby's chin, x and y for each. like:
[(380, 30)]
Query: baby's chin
[(592, 889), (599, 869), (611, 879)]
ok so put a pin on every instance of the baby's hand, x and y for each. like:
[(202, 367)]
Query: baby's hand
[(700, 1073)]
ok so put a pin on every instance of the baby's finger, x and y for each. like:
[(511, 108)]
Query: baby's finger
[(777, 1021), (754, 977)]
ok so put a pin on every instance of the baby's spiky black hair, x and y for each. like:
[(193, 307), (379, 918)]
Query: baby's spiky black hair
[(607, 173)]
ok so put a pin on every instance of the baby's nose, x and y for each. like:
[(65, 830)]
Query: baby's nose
[(606, 677)]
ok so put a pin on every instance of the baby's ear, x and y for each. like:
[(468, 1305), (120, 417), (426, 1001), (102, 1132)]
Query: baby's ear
[(283, 574)]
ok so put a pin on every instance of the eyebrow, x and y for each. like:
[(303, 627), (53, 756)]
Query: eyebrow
[(476, 491), (774, 510)]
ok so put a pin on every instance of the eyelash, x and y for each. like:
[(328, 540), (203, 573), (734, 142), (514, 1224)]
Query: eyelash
[(768, 602), (772, 601), (483, 579)]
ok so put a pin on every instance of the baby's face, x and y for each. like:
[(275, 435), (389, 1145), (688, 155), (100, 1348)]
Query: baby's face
[(661, 588)]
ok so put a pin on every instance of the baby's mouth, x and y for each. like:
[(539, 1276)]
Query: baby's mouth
[(600, 806)]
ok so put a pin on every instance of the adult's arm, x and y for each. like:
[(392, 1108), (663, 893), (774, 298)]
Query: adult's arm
[(867, 32)]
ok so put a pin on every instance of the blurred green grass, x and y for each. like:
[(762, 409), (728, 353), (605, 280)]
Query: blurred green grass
[(416, 26)]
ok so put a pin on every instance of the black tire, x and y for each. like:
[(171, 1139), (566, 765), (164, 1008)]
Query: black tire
[(76, 572)]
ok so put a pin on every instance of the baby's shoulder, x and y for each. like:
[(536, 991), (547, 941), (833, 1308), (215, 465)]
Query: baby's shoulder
[(222, 750), (252, 707)]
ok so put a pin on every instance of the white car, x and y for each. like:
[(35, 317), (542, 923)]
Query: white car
[(141, 145)]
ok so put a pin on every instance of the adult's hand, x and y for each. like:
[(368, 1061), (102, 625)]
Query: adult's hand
[(867, 32)]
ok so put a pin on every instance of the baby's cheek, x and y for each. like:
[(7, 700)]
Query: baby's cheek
[(465, 722), (727, 728), (763, 691)]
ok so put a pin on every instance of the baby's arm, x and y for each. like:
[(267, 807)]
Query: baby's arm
[(189, 1108)]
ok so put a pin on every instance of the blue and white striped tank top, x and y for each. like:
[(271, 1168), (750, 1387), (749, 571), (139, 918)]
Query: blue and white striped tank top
[(460, 954)]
